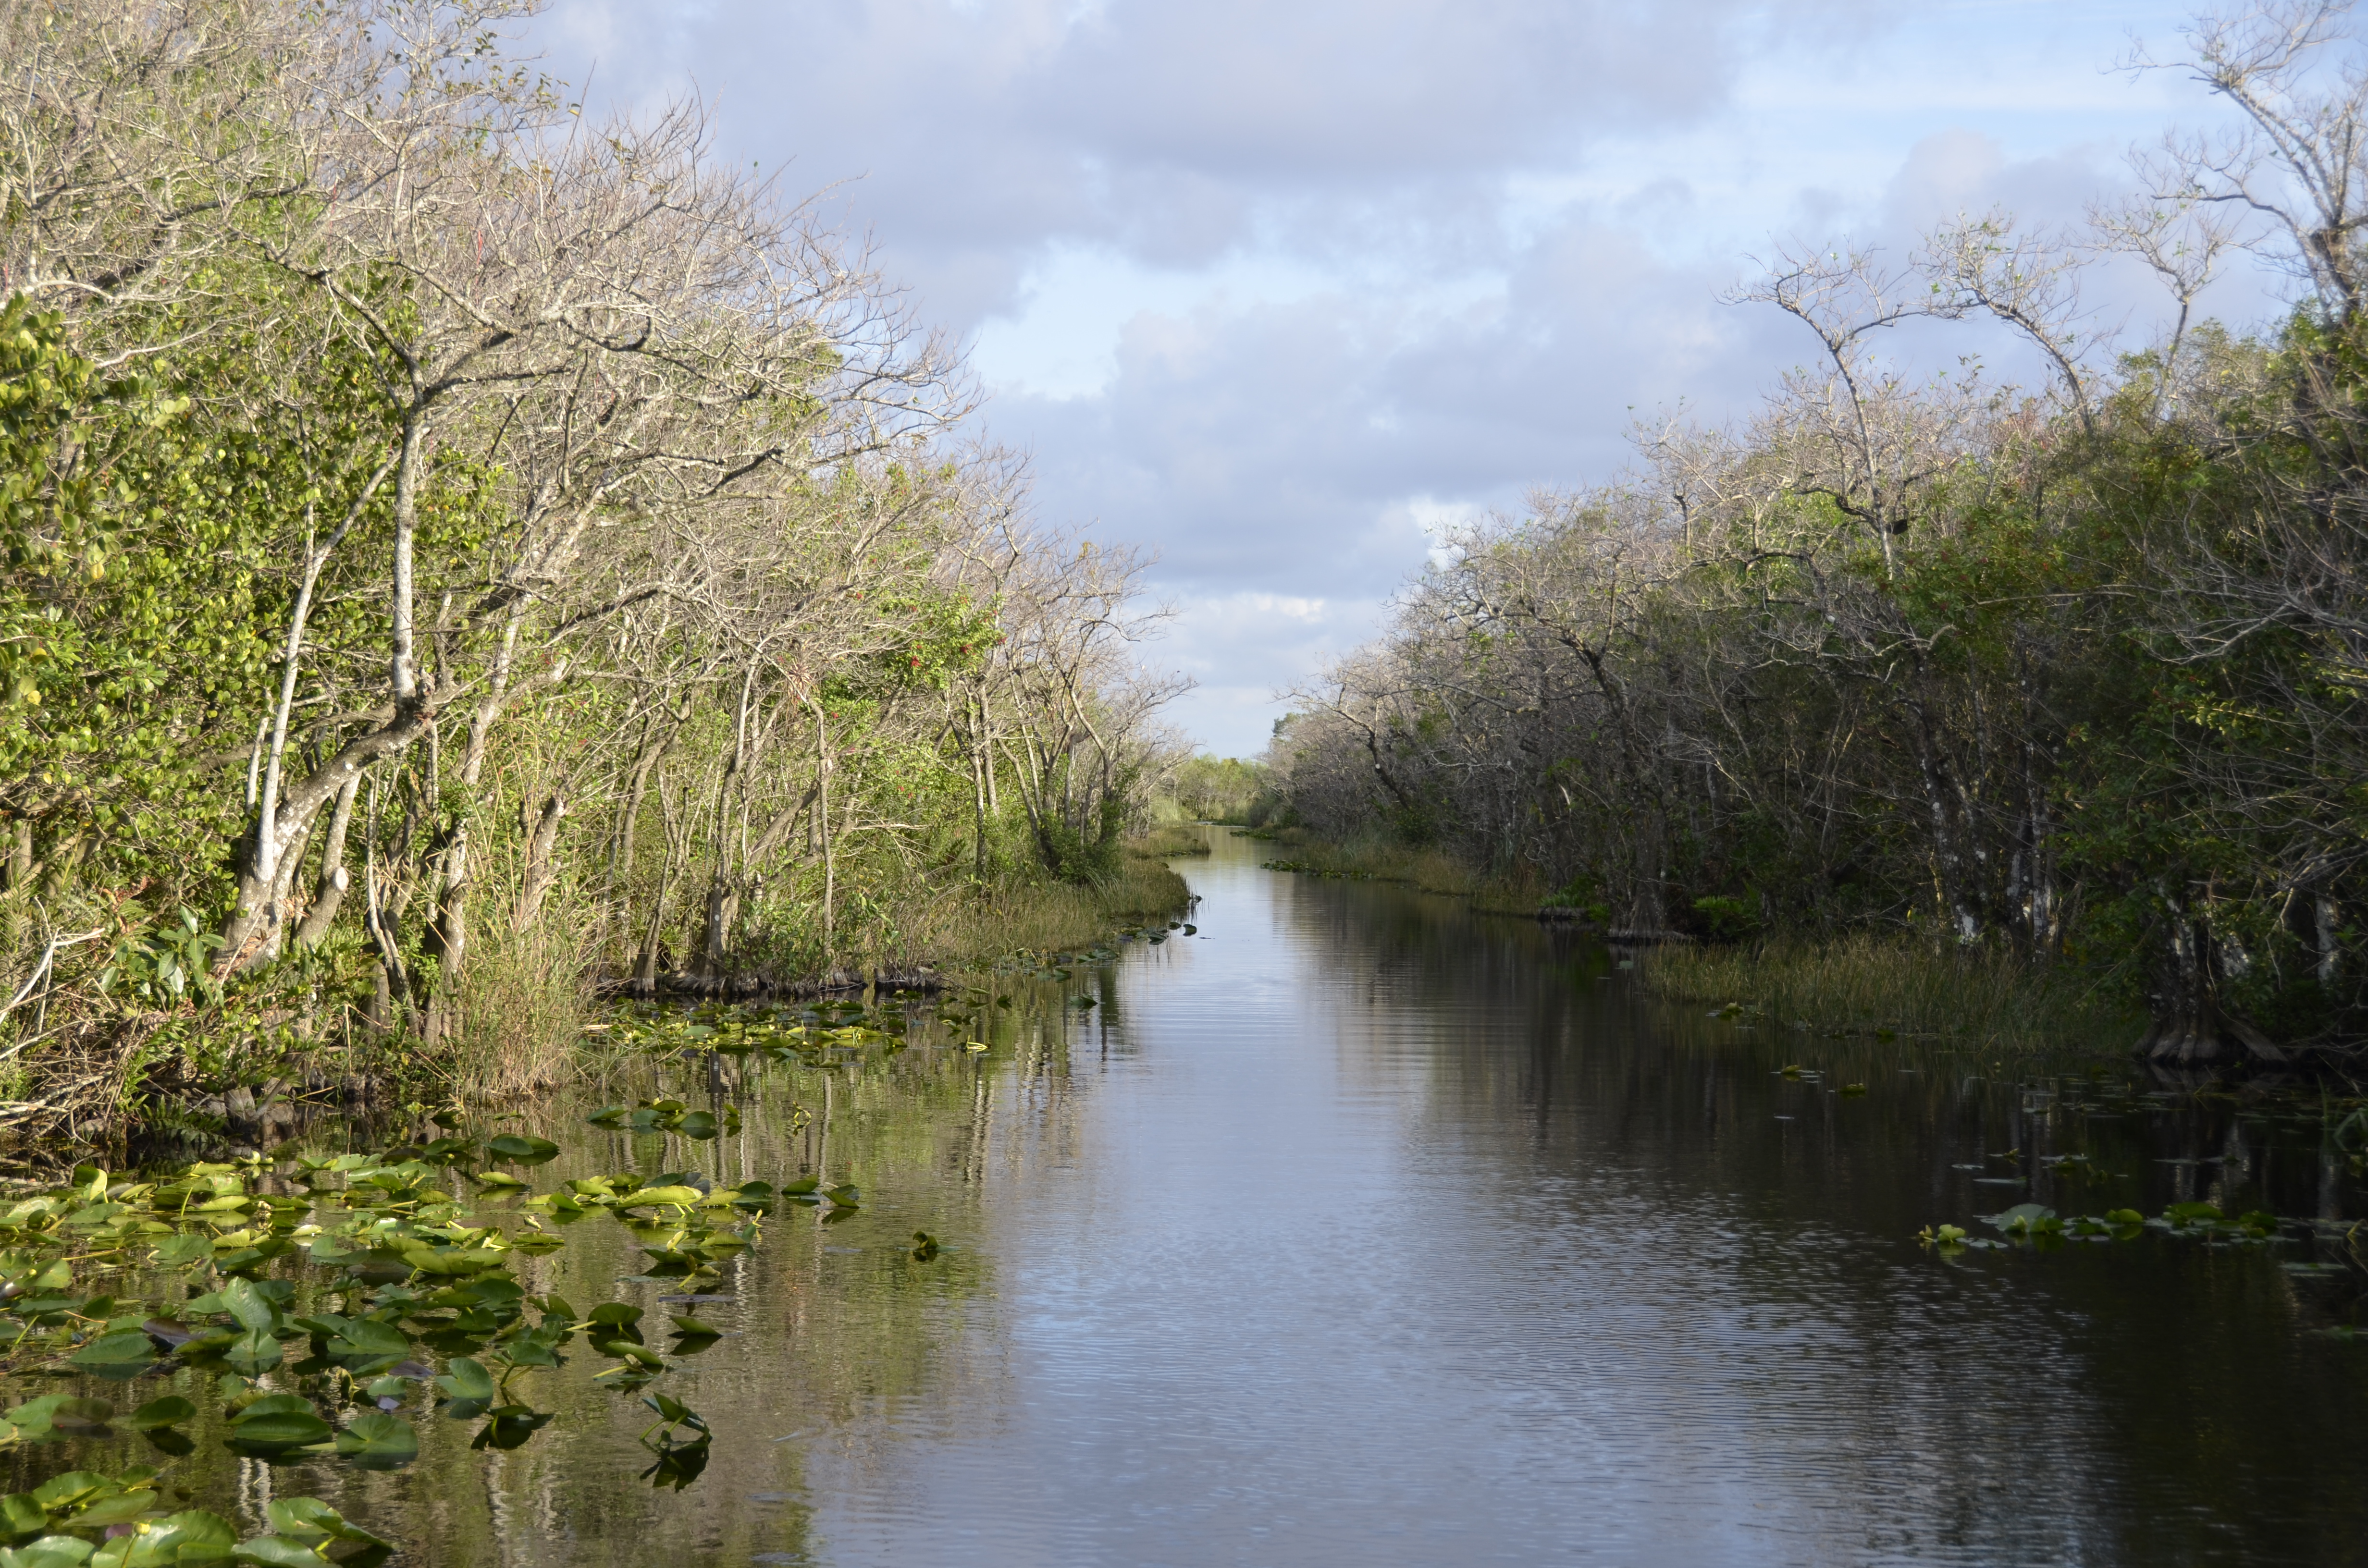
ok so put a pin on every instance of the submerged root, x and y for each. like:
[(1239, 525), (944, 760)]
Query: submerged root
[(2207, 1035)]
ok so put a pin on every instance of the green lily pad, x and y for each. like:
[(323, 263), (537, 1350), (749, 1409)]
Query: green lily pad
[(129, 1348), (192, 1537), (253, 1353), (159, 1413), (50, 1551), (466, 1378), (377, 1440), (280, 1421), (277, 1551)]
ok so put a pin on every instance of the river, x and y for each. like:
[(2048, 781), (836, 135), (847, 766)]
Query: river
[(1355, 1228)]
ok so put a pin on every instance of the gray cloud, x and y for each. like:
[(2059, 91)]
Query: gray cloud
[(1173, 132), (1466, 337)]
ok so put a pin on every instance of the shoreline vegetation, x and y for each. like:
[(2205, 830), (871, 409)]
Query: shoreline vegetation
[(1864, 982), (459, 561), (1896, 988), (2050, 695)]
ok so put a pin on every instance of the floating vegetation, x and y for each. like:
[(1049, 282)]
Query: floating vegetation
[(2043, 1227), (327, 1299), (1307, 870), (817, 1034)]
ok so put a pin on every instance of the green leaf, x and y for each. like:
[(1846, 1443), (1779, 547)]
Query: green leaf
[(72, 1490), (671, 1197), (253, 1353), (175, 1252), (192, 1538), (377, 1439), (280, 1421), (278, 1552), (158, 1413), (523, 1151), (124, 1348), (698, 1124), (249, 1305), (366, 1339), (309, 1519), (50, 1551), (466, 1378)]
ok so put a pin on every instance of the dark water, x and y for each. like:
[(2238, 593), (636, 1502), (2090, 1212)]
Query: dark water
[(1360, 1230)]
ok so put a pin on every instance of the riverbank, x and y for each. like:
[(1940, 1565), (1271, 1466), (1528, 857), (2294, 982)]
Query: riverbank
[(1895, 988), (1892, 987), (532, 1036), (224, 1067), (1380, 859)]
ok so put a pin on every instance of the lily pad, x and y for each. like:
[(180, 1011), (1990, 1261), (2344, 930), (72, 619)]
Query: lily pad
[(159, 1413), (466, 1379), (126, 1349), (377, 1440), (280, 1421)]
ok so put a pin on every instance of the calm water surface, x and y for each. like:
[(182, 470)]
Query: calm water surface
[(1361, 1230)]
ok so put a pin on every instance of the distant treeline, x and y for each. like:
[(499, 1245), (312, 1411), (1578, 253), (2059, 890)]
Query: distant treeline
[(2082, 675), (1221, 788), (456, 545)]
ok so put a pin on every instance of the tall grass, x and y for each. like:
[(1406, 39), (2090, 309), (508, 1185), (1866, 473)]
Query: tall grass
[(1867, 983), (1163, 839), (1517, 890), (525, 998), (1048, 916)]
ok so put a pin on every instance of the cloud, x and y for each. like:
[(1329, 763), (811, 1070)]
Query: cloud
[(1172, 134), (1279, 288)]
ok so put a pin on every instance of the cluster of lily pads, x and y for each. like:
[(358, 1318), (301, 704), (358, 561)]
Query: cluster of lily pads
[(127, 1512), (820, 1034), (2042, 1226), (323, 1302)]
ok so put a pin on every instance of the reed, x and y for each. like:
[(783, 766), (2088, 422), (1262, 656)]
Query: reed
[(1517, 890), (1865, 982), (525, 998), (970, 931), (1163, 839)]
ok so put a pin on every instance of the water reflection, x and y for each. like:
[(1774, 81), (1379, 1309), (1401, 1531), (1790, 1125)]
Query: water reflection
[(1357, 1229)]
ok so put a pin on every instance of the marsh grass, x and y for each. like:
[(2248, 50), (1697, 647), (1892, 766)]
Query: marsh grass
[(969, 932), (1167, 838), (525, 999), (1863, 983), (529, 1017), (1515, 892)]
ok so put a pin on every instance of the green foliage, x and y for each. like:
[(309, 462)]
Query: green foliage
[(2095, 703), (1221, 788)]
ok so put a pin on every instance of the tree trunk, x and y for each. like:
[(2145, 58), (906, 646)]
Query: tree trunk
[(330, 896), (251, 934), (542, 864), (2191, 1027)]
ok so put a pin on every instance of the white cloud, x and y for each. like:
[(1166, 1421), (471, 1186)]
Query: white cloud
[(1282, 291)]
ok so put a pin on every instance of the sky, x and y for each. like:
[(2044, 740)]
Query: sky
[(1280, 291)]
